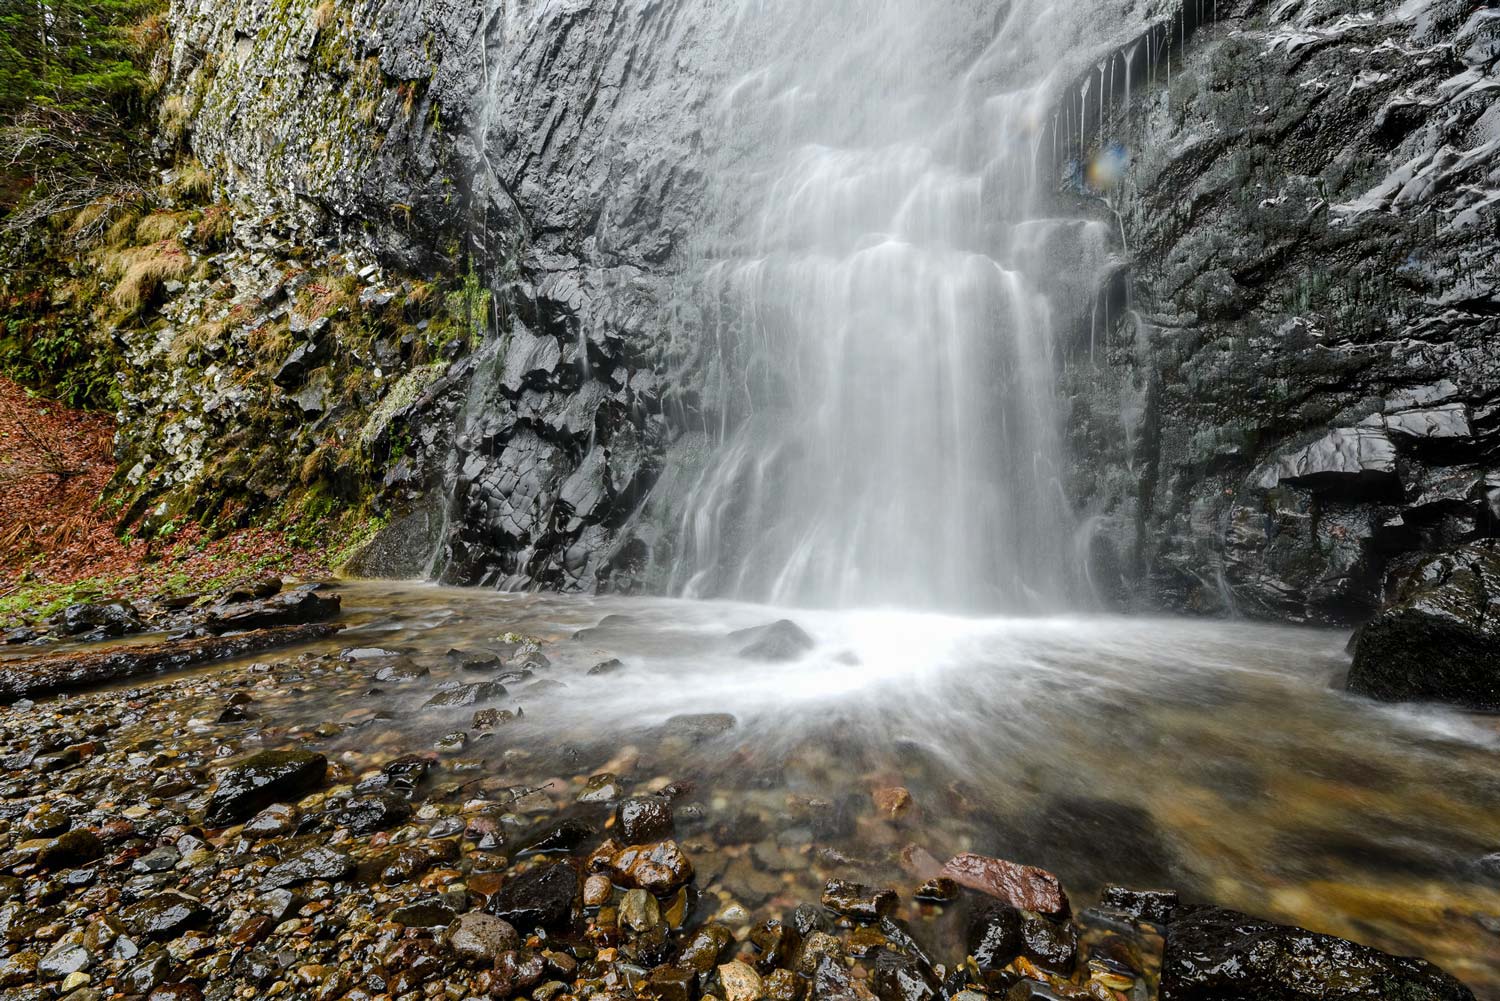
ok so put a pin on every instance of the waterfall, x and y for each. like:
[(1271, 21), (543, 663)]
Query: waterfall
[(889, 359), (790, 289)]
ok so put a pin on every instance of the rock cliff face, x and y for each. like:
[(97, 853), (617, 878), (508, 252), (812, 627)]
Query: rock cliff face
[(1285, 391), (1302, 391)]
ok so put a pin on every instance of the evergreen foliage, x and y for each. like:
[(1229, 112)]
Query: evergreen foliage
[(73, 86)]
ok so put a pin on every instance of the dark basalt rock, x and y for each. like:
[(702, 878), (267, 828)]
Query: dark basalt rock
[(318, 862), (101, 620), (994, 937), (539, 898), (1440, 639), (368, 814), (166, 915), (1213, 954), (292, 608), (565, 837), (466, 695), (831, 982), (297, 364), (643, 819), (1052, 945), (1156, 906), (781, 640), (266, 778)]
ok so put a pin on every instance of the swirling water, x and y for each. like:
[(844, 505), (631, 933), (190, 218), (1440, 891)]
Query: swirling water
[(1211, 757)]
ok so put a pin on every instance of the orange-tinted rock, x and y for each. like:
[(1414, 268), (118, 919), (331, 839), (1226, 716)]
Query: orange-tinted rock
[(660, 868), (892, 801)]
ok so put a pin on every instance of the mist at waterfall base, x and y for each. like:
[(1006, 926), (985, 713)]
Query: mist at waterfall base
[(1207, 756)]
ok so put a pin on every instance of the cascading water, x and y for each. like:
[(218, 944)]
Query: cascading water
[(812, 241), (889, 359)]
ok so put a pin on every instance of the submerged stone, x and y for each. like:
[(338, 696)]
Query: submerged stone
[(779, 641), (466, 695)]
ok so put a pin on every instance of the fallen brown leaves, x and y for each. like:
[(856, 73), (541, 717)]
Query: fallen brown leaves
[(54, 466)]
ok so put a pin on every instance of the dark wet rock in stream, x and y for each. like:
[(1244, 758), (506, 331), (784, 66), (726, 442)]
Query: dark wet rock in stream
[(564, 837), (458, 695), (166, 915), (317, 862), (400, 669), (542, 897), (368, 814), (1156, 906), (900, 977), (265, 778), (643, 819), (1213, 954), (300, 606), (1440, 639), (781, 640), (97, 621)]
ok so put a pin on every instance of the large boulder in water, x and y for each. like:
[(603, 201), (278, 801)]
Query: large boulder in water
[(1214, 954), (781, 640), (1440, 640)]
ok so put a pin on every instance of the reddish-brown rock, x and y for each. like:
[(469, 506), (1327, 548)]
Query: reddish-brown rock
[(1023, 886)]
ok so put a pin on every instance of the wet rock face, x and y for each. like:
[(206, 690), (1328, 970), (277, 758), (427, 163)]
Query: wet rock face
[(1298, 395), (1440, 640), (1213, 953), (261, 780)]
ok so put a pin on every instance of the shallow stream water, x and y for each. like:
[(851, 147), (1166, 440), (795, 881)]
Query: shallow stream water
[(1216, 758)]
